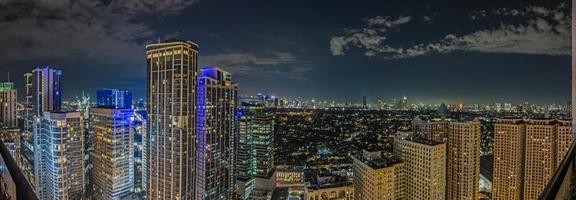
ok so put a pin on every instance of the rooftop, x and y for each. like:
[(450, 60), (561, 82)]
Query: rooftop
[(378, 159)]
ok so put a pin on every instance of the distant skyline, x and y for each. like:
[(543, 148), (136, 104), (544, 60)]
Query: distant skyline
[(442, 51)]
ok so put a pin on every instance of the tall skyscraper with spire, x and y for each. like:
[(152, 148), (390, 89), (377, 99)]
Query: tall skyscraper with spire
[(216, 127), (172, 67)]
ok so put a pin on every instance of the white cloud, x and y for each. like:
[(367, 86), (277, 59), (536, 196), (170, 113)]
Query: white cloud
[(370, 38), (544, 32)]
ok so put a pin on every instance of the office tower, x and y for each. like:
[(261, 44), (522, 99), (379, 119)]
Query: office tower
[(9, 131), (113, 98), (364, 103), (171, 91), (113, 161), (425, 167), (216, 126), (529, 162), (47, 90), (463, 160), (255, 136), (254, 151), (59, 155), (8, 105), (378, 176), (44, 91)]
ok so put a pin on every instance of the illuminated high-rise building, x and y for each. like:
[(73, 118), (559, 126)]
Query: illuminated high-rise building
[(8, 105), (113, 98), (526, 154), (255, 136), (254, 150), (43, 93), (113, 161), (9, 130), (425, 167), (172, 67), (378, 176), (462, 140), (463, 160), (216, 127), (59, 155), (509, 143), (47, 90)]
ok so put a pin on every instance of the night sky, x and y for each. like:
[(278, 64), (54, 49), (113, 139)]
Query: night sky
[(430, 51)]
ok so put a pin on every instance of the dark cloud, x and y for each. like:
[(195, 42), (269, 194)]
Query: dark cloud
[(48, 29), (276, 64)]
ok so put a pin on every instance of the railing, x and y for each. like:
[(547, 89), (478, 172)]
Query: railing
[(13, 184), (563, 183)]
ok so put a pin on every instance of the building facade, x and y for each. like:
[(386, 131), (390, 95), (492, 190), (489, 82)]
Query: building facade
[(425, 167), (254, 154), (508, 167), (44, 93), (59, 155), (463, 160), (216, 127), (378, 176), (113, 161), (526, 154), (8, 98), (172, 67), (462, 140)]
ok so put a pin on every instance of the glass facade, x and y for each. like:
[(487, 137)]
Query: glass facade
[(171, 98), (216, 122)]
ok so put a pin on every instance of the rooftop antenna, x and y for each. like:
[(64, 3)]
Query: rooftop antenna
[(8, 75)]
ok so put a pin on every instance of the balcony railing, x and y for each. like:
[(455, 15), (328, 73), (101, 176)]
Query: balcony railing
[(563, 183), (13, 184)]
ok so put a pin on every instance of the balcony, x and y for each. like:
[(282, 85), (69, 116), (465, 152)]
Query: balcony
[(563, 183), (13, 184)]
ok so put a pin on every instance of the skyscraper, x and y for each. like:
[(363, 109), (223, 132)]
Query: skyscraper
[(425, 167), (378, 176), (47, 90), (526, 154), (216, 127), (171, 90), (255, 136), (114, 98), (463, 151), (254, 150), (44, 93), (509, 143), (113, 162), (8, 105), (463, 160), (59, 155), (9, 130)]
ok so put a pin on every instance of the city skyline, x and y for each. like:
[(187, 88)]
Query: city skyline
[(340, 51)]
